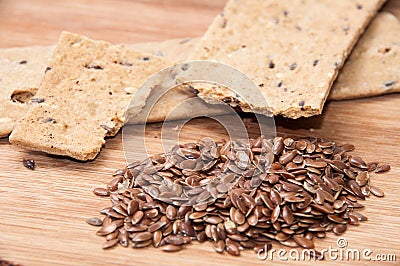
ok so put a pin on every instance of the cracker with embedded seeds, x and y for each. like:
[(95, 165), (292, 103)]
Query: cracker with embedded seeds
[(21, 70), (292, 49), (373, 68), (85, 95)]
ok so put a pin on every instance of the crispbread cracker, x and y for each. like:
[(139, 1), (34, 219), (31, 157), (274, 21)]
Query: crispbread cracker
[(362, 75), (21, 70), (292, 49), (373, 68), (86, 94), (27, 76)]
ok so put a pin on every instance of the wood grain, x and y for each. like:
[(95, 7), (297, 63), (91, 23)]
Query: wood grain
[(43, 212), (39, 22)]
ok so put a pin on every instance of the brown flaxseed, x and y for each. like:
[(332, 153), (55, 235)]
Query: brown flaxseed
[(101, 192), (232, 249), (303, 242), (238, 194), (107, 229), (29, 163), (377, 191), (382, 168), (110, 243), (171, 248), (142, 236), (95, 221)]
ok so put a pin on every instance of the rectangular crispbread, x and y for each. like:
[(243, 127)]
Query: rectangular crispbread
[(84, 96), (373, 68), (22, 69), (370, 70), (292, 50)]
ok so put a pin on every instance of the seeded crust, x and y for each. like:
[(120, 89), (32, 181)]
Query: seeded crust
[(292, 49), (86, 94), (373, 68), (21, 70)]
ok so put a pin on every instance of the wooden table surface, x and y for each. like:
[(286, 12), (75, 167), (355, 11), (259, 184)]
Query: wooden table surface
[(43, 212)]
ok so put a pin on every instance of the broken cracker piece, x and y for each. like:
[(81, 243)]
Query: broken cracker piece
[(85, 97), (373, 68), (21, 70), (292, 50)]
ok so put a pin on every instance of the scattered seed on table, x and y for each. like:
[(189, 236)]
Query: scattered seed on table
[(29, 163), (101, 191), (382, 168), (95, 221), (377, 191)]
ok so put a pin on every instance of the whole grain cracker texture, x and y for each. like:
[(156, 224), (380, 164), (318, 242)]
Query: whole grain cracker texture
[(293, 50), (373, 68), (85, 95), (21, 71)]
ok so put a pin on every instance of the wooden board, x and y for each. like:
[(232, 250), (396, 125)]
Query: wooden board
[(43, 212)]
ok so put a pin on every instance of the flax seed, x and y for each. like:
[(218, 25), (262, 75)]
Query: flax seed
[(238, 194), (94, 221), (110, 243), (376, 191), (382, 168), (303, 242)]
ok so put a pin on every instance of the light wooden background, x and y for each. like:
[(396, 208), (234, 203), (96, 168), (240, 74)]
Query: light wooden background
[(43, 212)]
